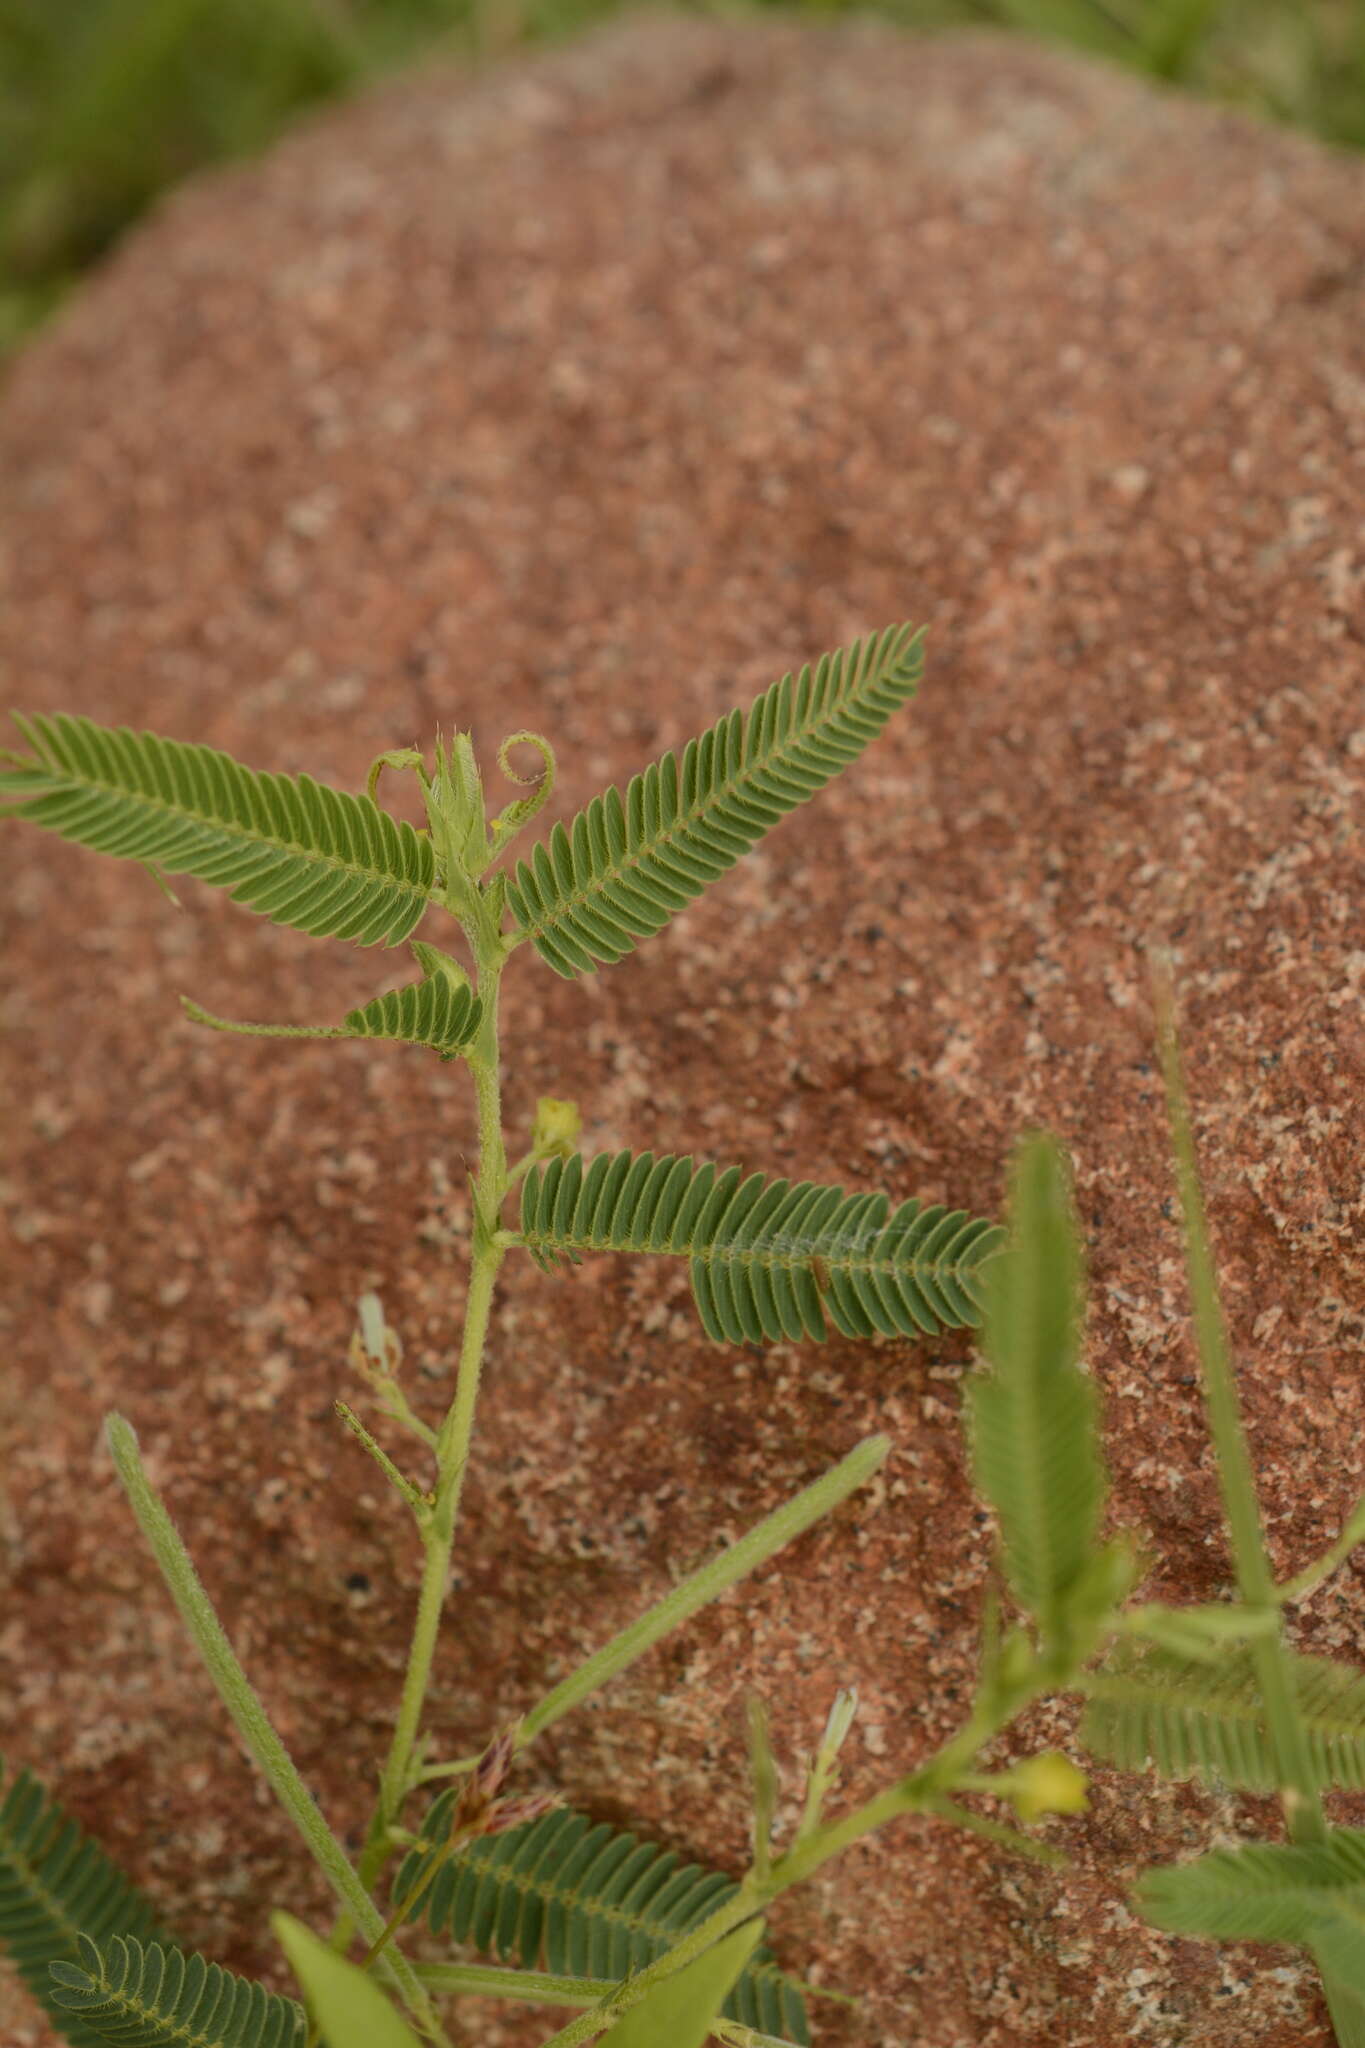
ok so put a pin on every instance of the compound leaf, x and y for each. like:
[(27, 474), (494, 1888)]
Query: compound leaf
[(1032, 1417), (437, 1011), (55, 1884), (1196, 1718), (626, 865), (583, 1901), (1260, 1893), (768, 1258), (317, 859), (141, 1995)]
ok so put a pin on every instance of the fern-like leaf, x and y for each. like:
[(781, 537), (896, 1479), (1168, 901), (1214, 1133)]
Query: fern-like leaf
[(1032, 1417), (1194, 1718), (55, 1884), (141, 1995), (767, 1257), (1260, 1893), (584, 1901), (318, 859), (626, 865), (436, 1011)]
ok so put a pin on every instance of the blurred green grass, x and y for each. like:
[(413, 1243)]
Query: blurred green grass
[(106, 103)]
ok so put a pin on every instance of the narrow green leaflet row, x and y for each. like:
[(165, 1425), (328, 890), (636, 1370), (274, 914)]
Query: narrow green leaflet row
[(140, 1995), (769, 1258), (1194, 1717), (1264, 1893), (626, 865), (583, 1901), (55, 1885), (317, 859), (439, 1011)]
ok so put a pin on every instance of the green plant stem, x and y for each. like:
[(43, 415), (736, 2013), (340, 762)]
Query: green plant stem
[(1003, 1836), (530, 1987), (248, 1715), (1308, 1581), (453, 1438)]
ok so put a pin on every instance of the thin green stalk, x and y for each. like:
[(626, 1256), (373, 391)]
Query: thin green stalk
[(998, 1832), (456, 1431), (247, 1713), (1255, 1579), (705, 1585), (530, 1987)]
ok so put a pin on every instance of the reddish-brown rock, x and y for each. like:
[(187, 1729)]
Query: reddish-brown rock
[(590, 395)]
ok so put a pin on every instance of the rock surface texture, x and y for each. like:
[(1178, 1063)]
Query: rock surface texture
[(590, 395)]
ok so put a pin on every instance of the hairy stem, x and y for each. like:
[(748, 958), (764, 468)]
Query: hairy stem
[(453, 1438)]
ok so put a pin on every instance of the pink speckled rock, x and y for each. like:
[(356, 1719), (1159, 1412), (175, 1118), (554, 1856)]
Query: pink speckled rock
[(590, 395)]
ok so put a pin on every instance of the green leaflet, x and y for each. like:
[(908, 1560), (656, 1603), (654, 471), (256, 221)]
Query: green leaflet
[(1265, 1893), (584, 1901), (349, 2006), (437, 1011), (55, 1884), (144, 1996), (768, 1258), (679, 2011), (1196, 1718), (1032, 1417), (626, 865), (320, 860)]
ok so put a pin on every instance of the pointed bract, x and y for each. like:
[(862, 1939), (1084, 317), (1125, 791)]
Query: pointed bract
[(1032, 1416)]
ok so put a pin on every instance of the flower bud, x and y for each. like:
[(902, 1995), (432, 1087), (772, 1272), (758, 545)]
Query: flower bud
[(555, 1131), (1049, 1783)]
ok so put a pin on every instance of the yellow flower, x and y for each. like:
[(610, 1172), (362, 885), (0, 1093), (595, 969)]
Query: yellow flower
[(1049, 1783)]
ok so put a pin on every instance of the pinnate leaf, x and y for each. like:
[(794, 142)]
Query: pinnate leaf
[(437, 1011), (768, 1258), (140, 1995), (626, 865), (1194, 1717), (583, 1901), (314, 858), (1265, 1892), (55, 1885)]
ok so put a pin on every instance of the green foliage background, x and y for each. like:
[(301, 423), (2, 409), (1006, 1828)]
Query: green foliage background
[(106, 103)]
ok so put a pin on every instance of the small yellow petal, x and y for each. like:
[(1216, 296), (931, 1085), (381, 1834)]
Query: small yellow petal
[(1049, 1783)]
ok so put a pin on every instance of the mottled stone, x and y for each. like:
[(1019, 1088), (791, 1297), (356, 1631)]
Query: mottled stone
[(590, 394)]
